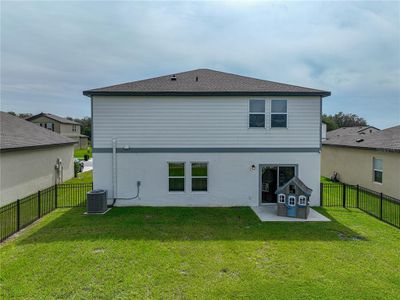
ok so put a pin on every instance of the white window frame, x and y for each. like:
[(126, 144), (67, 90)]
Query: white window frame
[(278, 113), (294, 200), (191, 176), (257, 113), (177, 177), (376, 170), (302, 200), (281, 198)]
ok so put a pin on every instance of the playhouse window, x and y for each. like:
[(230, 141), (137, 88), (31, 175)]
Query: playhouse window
[(302, 200), (292, 200), (281, 198)]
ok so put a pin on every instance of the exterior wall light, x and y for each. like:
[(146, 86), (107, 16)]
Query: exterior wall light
[(253, 167)]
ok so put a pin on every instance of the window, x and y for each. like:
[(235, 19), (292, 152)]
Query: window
[(292, 189), (176, 177), (49, 126), (199, 177), (378, 169), (292, 201), (302, 200), (278, 113), (257, 113), (74, 127), (281, 198)]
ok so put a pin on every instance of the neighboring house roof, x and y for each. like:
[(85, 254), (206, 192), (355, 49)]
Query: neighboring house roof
[(366, 137), (16, 133), (205, 82), (54, 117), (300, 184)]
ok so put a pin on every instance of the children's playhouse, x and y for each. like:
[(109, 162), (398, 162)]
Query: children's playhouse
[(293, 199)]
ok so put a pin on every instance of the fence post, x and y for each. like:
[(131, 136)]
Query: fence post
[(321, 192), (381, 207), (38, 205), (55, 196), (92, 185), (18, 214), (358, 196), (344, 195)]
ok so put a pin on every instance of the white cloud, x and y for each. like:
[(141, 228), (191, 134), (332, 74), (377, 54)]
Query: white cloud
[(350, 48)]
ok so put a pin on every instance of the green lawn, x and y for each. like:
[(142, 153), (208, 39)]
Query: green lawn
[(212, 253), (79, 153), (86, 177)]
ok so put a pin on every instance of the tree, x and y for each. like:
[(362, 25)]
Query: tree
[(330, 123), (12, 113), (86, 125), (341, 119)]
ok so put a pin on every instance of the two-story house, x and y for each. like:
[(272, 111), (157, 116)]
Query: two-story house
[(62, 126), (204, 138)]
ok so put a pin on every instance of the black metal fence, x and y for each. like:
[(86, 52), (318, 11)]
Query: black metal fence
[(19, 214), (379, 205)]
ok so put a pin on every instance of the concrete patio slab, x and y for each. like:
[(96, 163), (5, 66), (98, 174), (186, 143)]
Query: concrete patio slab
[(267, 213)]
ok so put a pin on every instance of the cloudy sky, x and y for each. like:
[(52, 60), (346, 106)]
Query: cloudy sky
[(51, 52)]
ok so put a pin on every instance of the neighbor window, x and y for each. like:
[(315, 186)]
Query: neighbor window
[(257, 113), (292, 200), (378, 170), (279, 113), (199, 177), (281, 198), (176, 177), (50, 126), (302, 200), (73, 127)]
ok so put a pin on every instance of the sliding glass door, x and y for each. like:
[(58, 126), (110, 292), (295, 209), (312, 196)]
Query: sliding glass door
[(273, 176)]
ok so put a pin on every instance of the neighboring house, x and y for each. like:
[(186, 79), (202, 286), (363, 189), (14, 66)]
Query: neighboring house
[(366, 156), (62, 126), (205, 138), (28, 158)]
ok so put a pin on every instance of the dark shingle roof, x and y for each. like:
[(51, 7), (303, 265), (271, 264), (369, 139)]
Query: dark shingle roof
[(300, 184), (366, 137), (205, 82), (54, 117), (16, 133)]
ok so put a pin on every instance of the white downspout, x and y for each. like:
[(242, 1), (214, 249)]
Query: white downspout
[(114, 168)]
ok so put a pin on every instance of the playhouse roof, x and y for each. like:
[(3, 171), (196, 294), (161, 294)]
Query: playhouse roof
[(300, 184)]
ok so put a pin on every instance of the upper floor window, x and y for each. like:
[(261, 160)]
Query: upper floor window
[(378, 170), (50, 126), (199, 177), (176, 177), (257, 113), (279, 113), (73, 127)]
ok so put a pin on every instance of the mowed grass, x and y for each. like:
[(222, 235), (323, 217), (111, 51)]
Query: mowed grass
[(79, 153), (202, 253), (86, 177)]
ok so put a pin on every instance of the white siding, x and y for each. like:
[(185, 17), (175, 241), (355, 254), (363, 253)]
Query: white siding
[(200, 122), (231, 181), (24, 172)]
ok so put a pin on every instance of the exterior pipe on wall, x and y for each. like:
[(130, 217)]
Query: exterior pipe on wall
[(114, 168)]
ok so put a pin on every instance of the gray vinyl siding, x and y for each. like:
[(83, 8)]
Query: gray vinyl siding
[(200, 122)]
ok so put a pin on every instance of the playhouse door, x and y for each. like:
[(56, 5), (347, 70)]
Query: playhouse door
[(291, 207)]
